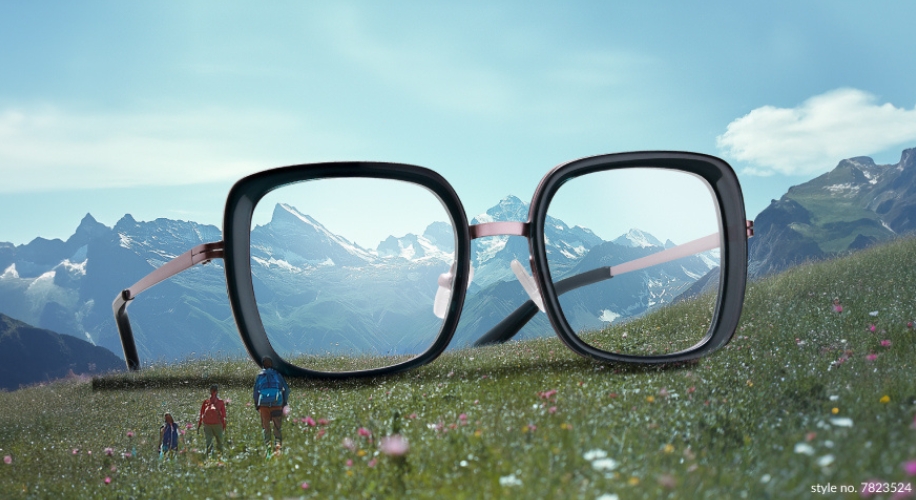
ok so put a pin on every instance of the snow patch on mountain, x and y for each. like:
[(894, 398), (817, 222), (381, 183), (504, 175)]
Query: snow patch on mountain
[(608, 316), (10, 272)]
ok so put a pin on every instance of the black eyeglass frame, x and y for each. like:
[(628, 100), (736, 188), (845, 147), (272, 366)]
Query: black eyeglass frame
[(247, 192)]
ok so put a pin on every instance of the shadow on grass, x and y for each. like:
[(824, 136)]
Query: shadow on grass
[(519, 368)]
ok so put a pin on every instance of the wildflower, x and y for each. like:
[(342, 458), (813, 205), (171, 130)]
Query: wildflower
[(607, 464), (349, 444), (510, 480), (320, 433), (804, 449), (309, 421), (372, 462), (873, 313), (633, 481), (825, 460), (8, 459), (349, 462), (871, 357), (837, 307), (552, 409), (650, 399), (364, 432), (548, 394), (107, 480), (668, 448), (885, 399), (322, 421), (130, 434), (594, 454), (109, 451), (835, 410), (286, 410), (76, 451), (841, 422), (304, 485), (871, 328), (885, 343), (394, 445), (910, 467), (463, 418)]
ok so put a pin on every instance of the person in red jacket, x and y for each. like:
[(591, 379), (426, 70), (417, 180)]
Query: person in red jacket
[(213, 418)]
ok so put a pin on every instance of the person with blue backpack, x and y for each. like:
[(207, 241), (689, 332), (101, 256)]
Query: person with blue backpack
[(168, 437), (271, 395)]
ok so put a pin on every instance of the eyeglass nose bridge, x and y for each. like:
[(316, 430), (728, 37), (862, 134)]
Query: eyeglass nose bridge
[(482, 230), (507, 228)]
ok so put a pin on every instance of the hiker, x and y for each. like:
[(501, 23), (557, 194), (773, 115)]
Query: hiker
[(213, 418), (271, 394), (168, 437)]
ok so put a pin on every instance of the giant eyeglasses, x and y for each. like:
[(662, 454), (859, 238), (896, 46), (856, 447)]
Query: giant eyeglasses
[(633, 257)]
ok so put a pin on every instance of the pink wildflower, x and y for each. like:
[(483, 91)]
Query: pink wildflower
[(552, 409), (76, 451), (189, 425), (548, 394), (130, 434), (8, 459), (463, 418), (322, 421), (372, 462), (871, 328), (412, 416), (309, 421), (349, 444), (394, 445), (871, 357), (349, 462), (885, 343), (109, 451), (320, 433), (364, 432), (107, 480), (286, 410), (304, 485), (910, 467)]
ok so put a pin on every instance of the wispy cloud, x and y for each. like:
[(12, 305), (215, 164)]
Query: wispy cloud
[(46, 148), (813, 136)]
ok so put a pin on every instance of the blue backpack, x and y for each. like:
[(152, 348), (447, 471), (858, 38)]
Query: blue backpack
[(269, 391)]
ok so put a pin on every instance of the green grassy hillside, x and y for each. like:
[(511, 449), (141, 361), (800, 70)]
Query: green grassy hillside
[(803, 396)]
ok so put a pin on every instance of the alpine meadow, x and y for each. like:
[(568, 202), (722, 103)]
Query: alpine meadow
[(809, 392)]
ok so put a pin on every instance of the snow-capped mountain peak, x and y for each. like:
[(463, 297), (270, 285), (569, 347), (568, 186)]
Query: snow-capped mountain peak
[(637, 238)]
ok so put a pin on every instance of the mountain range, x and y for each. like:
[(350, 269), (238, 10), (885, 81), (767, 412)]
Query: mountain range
[(67, 286)]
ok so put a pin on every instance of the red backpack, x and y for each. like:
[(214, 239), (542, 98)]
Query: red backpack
[(211, 412)]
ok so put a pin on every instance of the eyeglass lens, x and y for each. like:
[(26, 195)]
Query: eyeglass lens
[(346, 271), (610, 218)]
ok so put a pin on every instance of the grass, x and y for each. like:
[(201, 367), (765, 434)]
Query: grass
[(803, 396)]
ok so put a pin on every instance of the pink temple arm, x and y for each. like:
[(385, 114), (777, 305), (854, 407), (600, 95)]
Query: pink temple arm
[(200, 254)]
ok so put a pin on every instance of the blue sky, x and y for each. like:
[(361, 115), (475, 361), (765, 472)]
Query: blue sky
[(155, 109)]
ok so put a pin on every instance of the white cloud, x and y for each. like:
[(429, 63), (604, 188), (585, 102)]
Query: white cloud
[(46, 148), (812, 137)]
